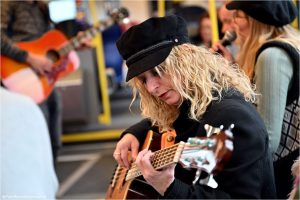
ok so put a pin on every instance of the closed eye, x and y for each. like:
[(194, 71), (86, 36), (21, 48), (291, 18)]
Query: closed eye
[(154, 72), (142, 79), (157, 72)]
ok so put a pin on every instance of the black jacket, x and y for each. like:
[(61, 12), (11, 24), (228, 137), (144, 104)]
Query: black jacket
[(249, 173)]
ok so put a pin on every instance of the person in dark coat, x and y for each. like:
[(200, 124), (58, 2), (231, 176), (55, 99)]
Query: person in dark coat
[(23, 21), (183, 87)]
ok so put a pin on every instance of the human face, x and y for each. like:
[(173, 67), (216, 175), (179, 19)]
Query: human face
[(205, 30), (226, 18), (160, 86), (241, 24)]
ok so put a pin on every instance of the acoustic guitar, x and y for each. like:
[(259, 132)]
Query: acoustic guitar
[(21, 78), (208, 154)]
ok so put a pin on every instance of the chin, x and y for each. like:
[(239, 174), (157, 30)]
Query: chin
[(173, 98), (173, 102)]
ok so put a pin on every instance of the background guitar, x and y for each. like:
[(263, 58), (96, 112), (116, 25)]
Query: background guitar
[(208, 154), (21, 78)]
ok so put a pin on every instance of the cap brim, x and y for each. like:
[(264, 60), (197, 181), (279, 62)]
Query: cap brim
[(233, 5), (148, 62)]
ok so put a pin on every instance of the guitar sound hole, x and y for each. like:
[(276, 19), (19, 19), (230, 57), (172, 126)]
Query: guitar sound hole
[(53, 55)]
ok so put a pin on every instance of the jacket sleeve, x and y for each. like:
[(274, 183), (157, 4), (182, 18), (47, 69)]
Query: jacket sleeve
[(249, 170), (273, 74), (8, 48), (139, 130)]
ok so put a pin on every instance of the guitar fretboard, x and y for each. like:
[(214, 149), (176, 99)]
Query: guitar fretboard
[(75, 42), (160, 159)]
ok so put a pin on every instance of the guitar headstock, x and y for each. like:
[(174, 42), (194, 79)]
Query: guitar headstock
[(115, 16), (208, 153), (118, 14)]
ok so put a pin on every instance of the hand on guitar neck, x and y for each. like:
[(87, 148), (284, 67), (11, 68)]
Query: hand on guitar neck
[(160, 180), (85, 41)]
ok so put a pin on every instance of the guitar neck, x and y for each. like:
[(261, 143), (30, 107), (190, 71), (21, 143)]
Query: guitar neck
[(160, 159), (76, 41)]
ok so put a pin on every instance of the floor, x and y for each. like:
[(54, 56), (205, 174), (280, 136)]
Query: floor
[(85, 169)]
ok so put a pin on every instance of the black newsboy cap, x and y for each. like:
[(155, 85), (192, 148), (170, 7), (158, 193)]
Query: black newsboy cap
[(148, 44), (277, 12)]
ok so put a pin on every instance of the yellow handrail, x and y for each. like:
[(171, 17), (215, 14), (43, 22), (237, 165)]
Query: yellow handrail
[(161, 8), (214, 20), (295, 22), (105, 117)]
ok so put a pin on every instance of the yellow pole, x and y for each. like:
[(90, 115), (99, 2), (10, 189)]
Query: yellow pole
[(161, 8), (214, 21), (105, 117), (295, 22)]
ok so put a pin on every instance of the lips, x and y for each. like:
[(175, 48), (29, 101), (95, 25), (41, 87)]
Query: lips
[(163, 96)]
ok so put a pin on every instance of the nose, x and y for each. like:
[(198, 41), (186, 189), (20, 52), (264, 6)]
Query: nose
[(224, 28), (152, 85)]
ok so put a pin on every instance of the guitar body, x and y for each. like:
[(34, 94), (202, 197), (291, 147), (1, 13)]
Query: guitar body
[(209, 154), (137, 188), (21, 78), (133, 189)]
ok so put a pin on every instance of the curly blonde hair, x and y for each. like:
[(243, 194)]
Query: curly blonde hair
[(199, 76)]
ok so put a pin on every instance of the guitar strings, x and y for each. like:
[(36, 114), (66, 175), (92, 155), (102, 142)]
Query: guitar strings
[(157, 160)]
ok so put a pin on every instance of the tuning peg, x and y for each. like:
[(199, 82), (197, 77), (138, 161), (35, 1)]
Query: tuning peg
[(210, 130), (124, 12), (195, 141), (119, 14), (231, 127), (211, 143), (228, 132)]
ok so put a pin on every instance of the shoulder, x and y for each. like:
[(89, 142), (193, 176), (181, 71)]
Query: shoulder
[(274, 55), (249, 131), (16, 106), (273, 51), (16, 101), (274, 61), (6, 5), (249, 128), (11, 7), (10, 4), (234, 109)]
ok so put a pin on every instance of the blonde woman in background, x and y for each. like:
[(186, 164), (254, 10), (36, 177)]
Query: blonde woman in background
[(269, 55)]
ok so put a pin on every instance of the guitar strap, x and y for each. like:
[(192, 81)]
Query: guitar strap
[(168, 138)]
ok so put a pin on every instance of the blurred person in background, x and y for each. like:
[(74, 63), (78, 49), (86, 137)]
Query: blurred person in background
[(205, 33), (226, 18), (27, 170), (23, 21), (295, 193), (269, 55), (27, 21)]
